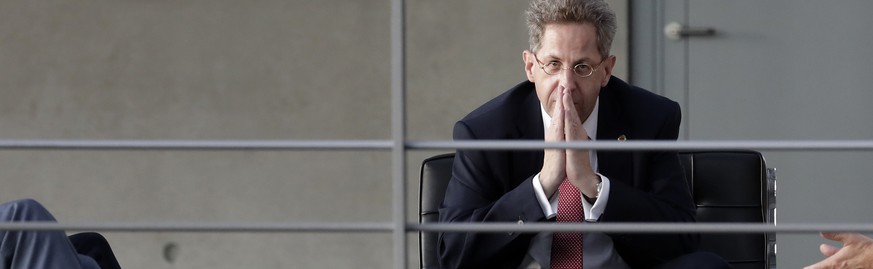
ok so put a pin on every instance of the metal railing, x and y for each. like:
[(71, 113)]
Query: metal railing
[(189, 145), (398, 226), (384, 227)]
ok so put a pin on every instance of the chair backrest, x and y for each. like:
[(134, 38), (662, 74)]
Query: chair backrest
[(733, 186), (727, 186), (435, 174)]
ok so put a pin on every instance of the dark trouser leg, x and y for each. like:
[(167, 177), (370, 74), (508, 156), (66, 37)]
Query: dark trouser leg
[(95, 246), (696, 260)]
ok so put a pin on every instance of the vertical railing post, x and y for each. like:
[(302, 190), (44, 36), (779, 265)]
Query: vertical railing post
[(398, 85)]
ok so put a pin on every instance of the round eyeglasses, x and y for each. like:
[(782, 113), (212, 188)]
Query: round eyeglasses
[(555, 67)]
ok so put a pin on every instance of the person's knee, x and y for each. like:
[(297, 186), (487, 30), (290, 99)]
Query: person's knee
[(25, 210), (26, 203)]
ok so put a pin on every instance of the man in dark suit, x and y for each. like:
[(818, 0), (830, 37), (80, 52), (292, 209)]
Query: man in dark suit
[(570, 95)]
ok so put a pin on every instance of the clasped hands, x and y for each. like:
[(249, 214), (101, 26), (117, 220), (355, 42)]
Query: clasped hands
[(572, 164)]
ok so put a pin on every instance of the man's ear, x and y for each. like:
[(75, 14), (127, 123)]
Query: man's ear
[(528, 59), (608, 64)]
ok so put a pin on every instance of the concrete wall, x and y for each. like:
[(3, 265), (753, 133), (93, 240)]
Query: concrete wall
[(223, 69)]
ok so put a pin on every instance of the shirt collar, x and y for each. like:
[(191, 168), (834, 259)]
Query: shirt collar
[(590, 123)]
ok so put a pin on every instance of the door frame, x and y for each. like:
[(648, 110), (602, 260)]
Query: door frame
[(651, 53)]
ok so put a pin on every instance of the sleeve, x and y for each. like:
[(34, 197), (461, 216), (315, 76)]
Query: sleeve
[(593, 211), (475, 194), (549, 206)]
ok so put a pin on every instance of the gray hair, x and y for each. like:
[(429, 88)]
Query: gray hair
[(596, 12)]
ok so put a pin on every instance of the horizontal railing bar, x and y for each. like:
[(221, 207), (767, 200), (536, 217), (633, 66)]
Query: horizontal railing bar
[(798, 145), (203, 227), (804, 145), (444, 227), (643, 227), (196, 144)]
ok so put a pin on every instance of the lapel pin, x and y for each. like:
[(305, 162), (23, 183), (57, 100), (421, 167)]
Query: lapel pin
[(622, 138)]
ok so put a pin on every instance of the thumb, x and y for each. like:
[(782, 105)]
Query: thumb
[(828, 250)]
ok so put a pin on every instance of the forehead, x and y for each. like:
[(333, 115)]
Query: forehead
[(569, 40)]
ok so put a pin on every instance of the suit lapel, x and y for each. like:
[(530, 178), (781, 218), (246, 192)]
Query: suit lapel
[(611, 125)]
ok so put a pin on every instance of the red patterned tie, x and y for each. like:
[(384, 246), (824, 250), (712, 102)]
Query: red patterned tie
[(567, 247)]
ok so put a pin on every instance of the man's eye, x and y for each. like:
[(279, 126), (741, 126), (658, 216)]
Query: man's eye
[(553, 64)]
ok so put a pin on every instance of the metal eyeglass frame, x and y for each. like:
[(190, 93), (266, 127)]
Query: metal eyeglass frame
[(593, 68)]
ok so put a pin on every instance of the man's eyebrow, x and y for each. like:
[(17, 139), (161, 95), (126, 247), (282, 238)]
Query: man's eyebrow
[(583, 60), (550, 57)]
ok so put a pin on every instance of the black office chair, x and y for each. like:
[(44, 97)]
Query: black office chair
[(727, 186)]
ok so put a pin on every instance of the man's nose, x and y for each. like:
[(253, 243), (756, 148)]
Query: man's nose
[(568, 79)]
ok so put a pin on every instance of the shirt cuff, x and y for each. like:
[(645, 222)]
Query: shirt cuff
[(550, 207), (593, 212)]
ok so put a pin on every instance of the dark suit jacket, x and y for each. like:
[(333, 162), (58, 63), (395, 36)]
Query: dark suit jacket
[(496, 186)]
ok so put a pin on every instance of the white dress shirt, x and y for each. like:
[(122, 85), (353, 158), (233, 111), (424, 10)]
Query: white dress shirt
[(597, 248)]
